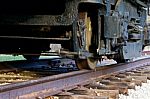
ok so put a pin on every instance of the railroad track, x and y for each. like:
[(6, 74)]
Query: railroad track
[(102, 83)]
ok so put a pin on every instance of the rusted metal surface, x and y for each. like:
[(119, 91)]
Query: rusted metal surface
[(39, 38), (52, 85)]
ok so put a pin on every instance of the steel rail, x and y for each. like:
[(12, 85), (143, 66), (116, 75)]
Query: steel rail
[(52, 85)]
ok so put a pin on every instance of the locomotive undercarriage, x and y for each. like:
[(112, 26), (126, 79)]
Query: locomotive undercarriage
[(117, 34), (85, 31)]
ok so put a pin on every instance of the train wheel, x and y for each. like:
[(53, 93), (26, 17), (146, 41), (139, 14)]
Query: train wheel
[(89, 62)]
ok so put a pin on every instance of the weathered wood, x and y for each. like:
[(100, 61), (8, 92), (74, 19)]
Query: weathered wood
[(112, 94), (81, 97)]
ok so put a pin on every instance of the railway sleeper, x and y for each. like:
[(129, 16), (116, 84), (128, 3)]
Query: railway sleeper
[(140, 77), (122, 89), (130, 85), (132, 81), (85, 93), (122, 81), (79, 97)]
